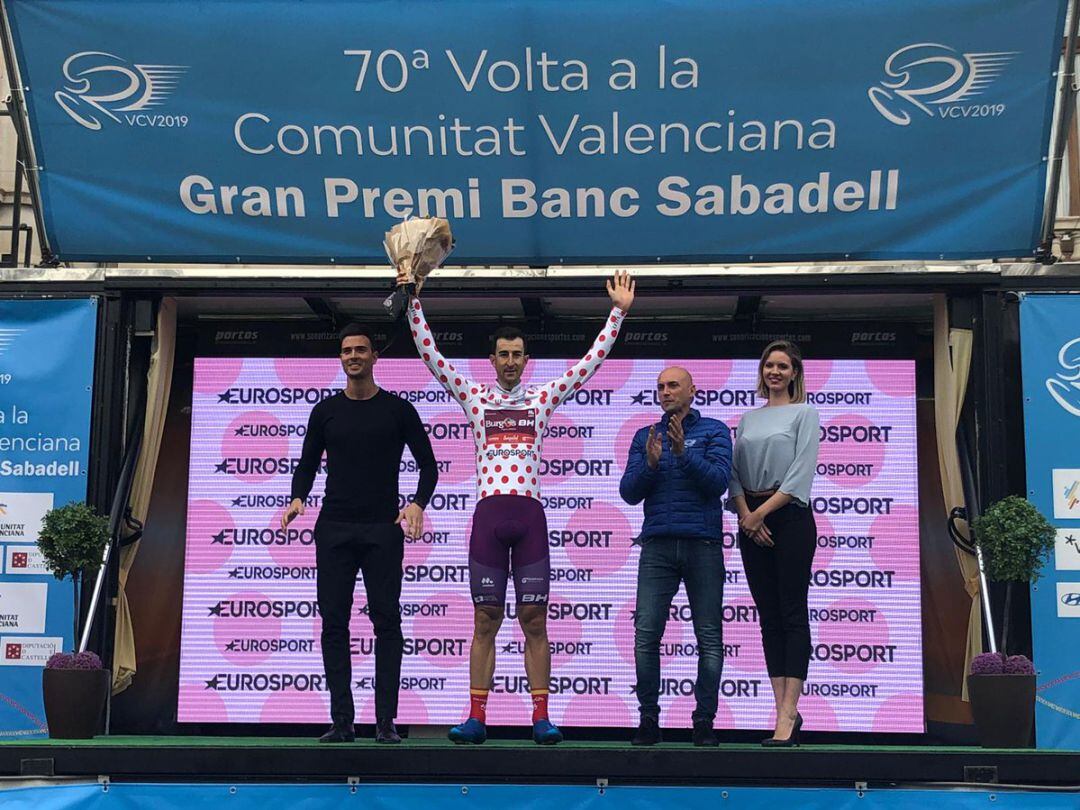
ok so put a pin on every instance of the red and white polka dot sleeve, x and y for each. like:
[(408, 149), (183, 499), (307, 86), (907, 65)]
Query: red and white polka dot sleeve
[(558, 389), (459, 387)]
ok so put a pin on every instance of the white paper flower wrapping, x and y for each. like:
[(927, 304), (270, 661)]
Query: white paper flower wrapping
[(417, 246)]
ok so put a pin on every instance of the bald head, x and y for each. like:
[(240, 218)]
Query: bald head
[(676, 373), (675, 390)]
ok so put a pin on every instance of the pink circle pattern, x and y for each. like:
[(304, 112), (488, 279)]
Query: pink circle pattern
[(215, 375), (231, 631), (870, 639), (300, 534), (248, 447), (459, 615), (207, 520), (867, 456), (306, 372), (896, 542), (599, 523)]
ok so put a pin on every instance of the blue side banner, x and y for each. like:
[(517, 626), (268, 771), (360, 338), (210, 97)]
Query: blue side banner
[(548, 131), (1050, 352), (46, 373), (481, 797)]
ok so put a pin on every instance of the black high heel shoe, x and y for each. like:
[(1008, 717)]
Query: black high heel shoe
[(792, 740)]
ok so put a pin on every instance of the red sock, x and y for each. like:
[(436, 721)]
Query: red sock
[(478, 704), (540, 701)]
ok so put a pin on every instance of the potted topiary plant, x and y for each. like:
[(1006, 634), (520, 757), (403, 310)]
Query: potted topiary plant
[(74, 685), (1016, 540)]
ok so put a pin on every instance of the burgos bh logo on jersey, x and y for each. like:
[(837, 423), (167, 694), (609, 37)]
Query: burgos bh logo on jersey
[(1064, 386), (937, 80), (100, 85)]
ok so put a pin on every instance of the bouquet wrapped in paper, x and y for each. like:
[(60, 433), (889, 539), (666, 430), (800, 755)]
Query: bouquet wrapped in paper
[(415, 247), (418, 246)]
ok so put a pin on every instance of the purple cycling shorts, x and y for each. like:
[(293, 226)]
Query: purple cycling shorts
[(509, 534)]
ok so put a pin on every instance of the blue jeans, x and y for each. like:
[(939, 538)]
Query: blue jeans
[(664, 563)]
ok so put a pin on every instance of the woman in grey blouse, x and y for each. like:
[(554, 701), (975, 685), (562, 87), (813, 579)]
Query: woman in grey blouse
[(773, 467)]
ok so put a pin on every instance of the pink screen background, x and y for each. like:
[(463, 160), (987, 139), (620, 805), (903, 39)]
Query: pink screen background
[(264, 665)]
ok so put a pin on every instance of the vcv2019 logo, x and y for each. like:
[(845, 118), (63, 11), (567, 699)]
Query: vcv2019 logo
[(935, 79), (1064, 386), (99, 85)]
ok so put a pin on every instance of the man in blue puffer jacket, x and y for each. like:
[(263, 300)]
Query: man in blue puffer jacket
[(680, 468)]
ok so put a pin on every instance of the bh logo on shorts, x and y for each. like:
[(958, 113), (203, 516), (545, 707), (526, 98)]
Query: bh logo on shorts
[(100, 85), (938, 80)]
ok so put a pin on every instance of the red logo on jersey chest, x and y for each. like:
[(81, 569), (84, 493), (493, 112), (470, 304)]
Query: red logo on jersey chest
[(510, 427)]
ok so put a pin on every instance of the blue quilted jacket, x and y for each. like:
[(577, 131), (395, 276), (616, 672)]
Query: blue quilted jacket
[(684, 494)]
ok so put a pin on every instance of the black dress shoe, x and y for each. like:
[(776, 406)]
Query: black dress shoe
[(792, 740), (704, 734), (339, 734), (648, 733), (386, 733)]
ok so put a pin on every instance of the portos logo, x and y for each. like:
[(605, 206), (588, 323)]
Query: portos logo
[(1064, 386), (236, 336), (935, 79), (100, 84), (645, 337), (860, 338)]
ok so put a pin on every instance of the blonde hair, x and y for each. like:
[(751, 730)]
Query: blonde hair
[(797, 386)]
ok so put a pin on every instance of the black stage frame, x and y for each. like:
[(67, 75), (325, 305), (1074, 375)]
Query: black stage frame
[(602, 764)]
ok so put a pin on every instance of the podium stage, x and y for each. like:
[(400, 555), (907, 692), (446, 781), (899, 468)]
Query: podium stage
[(213, 759)]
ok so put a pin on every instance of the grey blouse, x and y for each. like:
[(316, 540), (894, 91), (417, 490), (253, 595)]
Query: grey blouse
[(776, 447)]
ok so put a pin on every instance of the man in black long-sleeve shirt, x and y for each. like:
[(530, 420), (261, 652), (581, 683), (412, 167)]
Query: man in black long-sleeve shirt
[(363, 431)]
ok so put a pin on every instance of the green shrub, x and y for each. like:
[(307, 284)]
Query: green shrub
[(72, 539), (1015, 538)]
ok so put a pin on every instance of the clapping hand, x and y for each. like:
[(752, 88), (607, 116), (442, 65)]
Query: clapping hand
[(676, 435), (621, 290), (654, 447)]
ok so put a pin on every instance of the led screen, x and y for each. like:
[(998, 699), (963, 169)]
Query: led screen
[(250, 647)]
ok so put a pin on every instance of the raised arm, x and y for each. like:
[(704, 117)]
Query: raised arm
[(458, 386), (621, 291)]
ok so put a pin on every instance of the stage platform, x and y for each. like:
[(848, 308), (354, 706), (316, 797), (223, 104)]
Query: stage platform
[(193, 759)]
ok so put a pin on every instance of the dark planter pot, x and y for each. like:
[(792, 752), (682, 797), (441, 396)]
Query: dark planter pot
[(74, 701), (1004, 709)]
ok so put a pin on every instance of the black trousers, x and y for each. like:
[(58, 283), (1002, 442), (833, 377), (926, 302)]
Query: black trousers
[(341, 550), (779, 580)]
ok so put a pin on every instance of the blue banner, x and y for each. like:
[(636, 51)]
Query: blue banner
[(423, 797), (1050, 352), (750, 130), (46, 373)]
